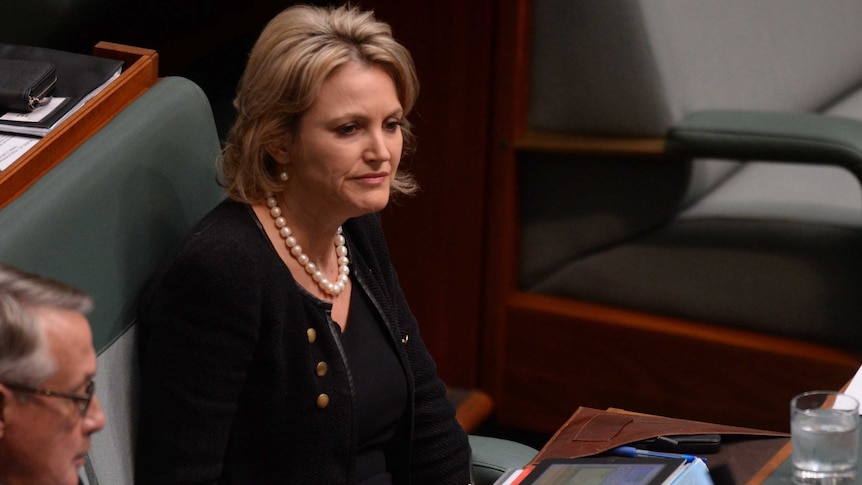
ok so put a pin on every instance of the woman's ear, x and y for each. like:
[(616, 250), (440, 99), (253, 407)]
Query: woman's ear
[(279, 153), (5, 394)]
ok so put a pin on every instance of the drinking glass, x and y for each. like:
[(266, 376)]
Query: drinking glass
[(824, 430)]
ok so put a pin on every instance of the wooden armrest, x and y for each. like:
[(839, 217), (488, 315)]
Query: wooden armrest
[(472, 407), (534, 141)]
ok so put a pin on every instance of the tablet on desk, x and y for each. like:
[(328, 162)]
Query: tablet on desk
[(603, 471)]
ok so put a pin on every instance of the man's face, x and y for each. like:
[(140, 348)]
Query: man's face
[(43, 439)]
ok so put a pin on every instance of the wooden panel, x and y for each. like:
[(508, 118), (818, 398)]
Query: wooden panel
[(437, 237), (561, 354), (472, 407), (139, 73), (509, 115), (585, 145)]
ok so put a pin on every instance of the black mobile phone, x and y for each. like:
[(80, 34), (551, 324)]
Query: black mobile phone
[(693, 443)]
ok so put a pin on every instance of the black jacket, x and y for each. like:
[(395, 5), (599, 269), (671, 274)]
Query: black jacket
[(228, 357)]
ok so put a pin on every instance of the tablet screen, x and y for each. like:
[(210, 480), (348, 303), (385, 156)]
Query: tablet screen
[(603, 471)]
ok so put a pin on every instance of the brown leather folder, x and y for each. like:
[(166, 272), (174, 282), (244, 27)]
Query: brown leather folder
[(743, 453)]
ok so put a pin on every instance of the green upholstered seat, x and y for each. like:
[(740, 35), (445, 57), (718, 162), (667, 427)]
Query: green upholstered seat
[(104, 218)]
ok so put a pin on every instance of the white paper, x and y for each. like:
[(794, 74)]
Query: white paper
[(37, 114), (694, 473), (14, 147), (509, 477), (855, 387)]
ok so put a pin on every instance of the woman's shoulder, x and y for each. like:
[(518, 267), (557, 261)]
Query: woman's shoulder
[(228, 217), (228, 236), (225, 258), (367, 228), (229, 222), (367, 244), (365, 235)]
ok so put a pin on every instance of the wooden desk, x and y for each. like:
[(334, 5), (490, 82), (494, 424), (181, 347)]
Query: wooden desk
[(776, 470), (140, 71), (747, 456)]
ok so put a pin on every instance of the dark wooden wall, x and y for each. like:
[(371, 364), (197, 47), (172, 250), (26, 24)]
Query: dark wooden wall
[(437, 238)]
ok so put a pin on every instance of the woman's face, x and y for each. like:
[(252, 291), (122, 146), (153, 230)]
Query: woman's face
[(349, 145)]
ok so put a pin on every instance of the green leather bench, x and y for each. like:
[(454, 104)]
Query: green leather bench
[(103, 218)]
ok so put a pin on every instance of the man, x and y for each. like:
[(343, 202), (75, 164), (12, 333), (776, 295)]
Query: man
[(48, 408)]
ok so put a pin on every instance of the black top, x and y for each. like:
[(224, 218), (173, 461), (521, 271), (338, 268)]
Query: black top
[(380, 388), (230, 392)]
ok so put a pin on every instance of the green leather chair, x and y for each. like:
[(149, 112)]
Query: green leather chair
[(687, 186)]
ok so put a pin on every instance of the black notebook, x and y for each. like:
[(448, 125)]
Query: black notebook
[(79, 77)]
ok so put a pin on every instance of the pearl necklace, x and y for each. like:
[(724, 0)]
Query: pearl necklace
[(332, 289)]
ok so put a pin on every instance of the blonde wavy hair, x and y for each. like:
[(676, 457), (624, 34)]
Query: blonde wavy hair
[(294, 55)]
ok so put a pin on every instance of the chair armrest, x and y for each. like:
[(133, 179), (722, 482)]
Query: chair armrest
[(472, 407), (769, 136), (493, 456)]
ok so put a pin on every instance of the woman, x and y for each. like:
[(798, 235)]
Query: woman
[(277, 345)]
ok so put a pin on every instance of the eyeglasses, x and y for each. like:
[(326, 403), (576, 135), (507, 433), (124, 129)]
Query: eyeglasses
[(81, 400)]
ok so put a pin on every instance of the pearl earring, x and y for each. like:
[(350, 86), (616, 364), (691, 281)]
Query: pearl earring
[(283, 176)]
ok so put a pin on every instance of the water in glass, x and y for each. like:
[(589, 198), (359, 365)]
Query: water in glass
[(824, 446)]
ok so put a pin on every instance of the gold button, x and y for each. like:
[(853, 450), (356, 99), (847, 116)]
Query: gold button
[(312, 335), (405, 339), (321, 369), (322, 401)]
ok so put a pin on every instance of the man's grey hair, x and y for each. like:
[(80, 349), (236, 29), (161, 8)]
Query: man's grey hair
[(24, 355)]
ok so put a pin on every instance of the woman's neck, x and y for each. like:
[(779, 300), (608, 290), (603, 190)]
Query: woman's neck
[(316, 257), (313, 231)]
